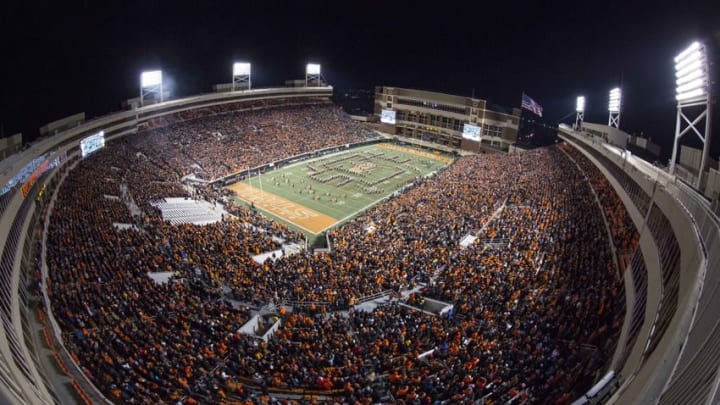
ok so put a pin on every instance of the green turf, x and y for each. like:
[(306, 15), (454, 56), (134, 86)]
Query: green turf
[(381, 169)]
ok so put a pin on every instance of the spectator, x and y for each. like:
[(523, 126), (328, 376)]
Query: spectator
[(534, 317)]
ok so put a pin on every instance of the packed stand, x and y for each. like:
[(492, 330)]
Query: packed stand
[(624, 234), (527, 313), (217, 143)]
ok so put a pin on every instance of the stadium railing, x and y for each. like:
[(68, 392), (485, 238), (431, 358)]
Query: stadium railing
[(680, 245)]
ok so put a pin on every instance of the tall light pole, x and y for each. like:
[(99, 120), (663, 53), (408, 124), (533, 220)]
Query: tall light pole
[(692, 76), (580, 109), (614, 108)]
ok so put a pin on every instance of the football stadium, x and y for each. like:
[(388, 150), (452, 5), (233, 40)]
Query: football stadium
[(171, 248), (263, 246)]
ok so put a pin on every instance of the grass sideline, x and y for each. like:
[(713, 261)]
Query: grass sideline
[(316, 195)]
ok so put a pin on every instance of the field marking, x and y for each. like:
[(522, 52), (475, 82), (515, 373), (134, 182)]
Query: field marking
[(300, 215), (360, 211), (413, 151), (315, 228)]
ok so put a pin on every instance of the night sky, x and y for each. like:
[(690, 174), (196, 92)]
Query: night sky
[(60, 58)]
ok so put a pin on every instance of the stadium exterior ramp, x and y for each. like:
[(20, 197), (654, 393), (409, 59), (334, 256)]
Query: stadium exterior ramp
[(34, 366), (669, 348)]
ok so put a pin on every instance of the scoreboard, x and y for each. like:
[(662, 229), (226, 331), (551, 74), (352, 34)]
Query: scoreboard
[(387, 117), (92, 143), (471, 132)]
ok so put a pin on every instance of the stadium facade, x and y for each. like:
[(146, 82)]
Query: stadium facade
[(10, 145), (442, 118), (668, 351)]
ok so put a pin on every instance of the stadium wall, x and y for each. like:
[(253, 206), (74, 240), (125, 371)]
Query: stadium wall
[(610, 134), (10, 145), (672, 359)]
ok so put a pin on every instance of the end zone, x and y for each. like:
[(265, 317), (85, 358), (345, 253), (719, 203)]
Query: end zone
[(303, 217)]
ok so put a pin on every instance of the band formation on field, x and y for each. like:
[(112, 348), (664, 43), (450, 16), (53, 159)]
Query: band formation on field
[(317, 194)]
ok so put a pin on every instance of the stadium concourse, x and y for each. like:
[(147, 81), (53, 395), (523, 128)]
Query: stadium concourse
[(535, 315)]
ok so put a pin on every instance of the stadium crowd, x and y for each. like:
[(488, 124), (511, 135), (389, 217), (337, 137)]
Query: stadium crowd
[(218, 143), (624, 234), (534, 298)]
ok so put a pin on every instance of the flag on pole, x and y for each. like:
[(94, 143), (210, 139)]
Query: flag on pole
[(530, 104)]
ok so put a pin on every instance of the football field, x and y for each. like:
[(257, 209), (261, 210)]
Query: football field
[(315, 195)]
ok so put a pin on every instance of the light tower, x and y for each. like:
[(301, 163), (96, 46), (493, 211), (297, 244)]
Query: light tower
[(312, 74), (151, 85), (241, 76), (614, 108), (580, 108), (693, 99)]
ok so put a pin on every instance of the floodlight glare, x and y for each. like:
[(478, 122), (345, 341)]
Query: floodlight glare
[(696, 55), (690, 76), (614, 107), (694, 46), (690, 94), (614, 104), (697, 83), (241, 68), (152, 78), (580, 105), (685, 70), (312, 69)]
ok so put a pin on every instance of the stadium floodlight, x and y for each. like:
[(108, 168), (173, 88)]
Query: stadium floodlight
[(241, 76), (692, 77), (690, 94), (151, 78), (685, 69), (580, 109), (695, 84), (695, 74), (614, 105), (693, 47), (312, 69), (312, 75), (614, 108), (241, 68), (690, 62), (151, 84), (691, 74)]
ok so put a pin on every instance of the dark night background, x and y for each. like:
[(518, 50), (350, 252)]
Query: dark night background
[(61, 58)]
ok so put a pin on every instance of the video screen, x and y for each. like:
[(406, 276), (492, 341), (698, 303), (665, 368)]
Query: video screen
[(92, 143), (471, 132), (387, 117)]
